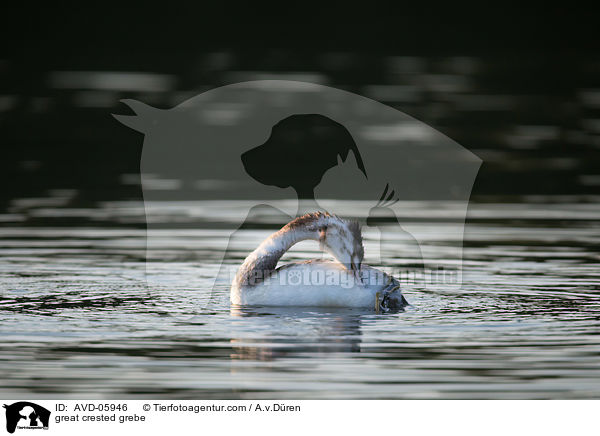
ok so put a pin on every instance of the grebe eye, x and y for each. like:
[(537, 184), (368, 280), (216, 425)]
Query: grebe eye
[(322, 233)]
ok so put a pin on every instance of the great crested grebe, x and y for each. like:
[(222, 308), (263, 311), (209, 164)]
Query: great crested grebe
[(345, 282)]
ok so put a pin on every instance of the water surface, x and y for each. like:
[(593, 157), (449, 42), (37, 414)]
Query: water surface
[(77, 319)]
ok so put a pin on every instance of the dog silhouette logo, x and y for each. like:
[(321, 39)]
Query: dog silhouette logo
[(26, 415), (299, 139), (263, 152)]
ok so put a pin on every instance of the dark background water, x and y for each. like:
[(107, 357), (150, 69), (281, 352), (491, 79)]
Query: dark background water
[(518, 87)]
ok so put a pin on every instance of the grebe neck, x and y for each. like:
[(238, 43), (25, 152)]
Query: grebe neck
[(262, 261)]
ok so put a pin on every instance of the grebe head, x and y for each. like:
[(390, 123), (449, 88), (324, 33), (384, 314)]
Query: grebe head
[(343, 240), (340, 238)]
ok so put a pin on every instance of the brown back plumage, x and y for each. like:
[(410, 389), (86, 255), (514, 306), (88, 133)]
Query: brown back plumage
[(308, 219)]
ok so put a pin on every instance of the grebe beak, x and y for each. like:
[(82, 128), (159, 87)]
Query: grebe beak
[(356, 273)]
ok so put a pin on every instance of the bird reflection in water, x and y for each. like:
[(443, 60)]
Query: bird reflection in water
[(292, 332)]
